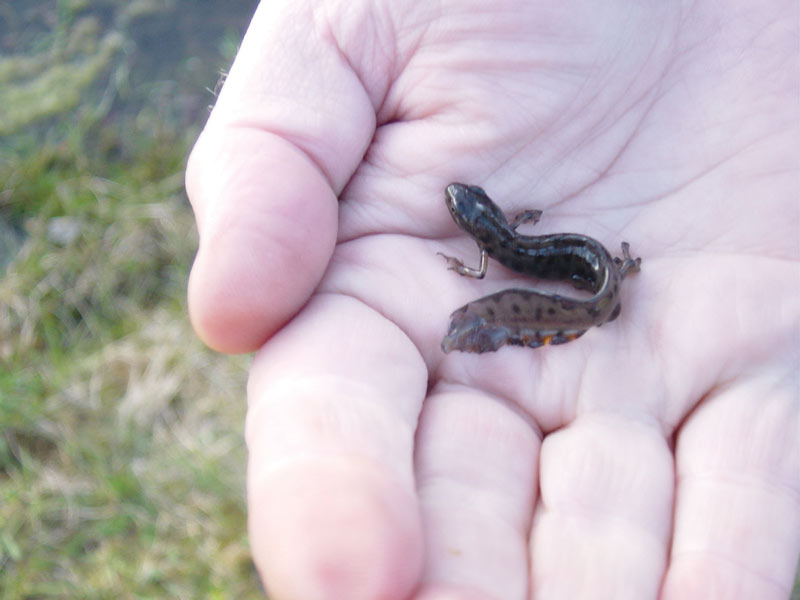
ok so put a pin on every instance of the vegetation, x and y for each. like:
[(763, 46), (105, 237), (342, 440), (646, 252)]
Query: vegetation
[(121, 451)]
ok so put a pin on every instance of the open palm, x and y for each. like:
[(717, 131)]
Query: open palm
[(658, 455)]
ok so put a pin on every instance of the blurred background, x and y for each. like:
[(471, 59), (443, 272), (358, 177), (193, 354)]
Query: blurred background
[(121, 452)]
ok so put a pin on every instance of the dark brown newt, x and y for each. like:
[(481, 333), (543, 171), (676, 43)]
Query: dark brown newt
[(523, 317)]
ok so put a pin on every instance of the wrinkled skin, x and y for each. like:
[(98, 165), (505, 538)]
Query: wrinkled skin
[(657, 456)]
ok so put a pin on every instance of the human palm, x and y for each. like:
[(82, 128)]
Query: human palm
[(658, 454)]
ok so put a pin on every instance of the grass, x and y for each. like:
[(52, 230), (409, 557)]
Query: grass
[(121, 452)]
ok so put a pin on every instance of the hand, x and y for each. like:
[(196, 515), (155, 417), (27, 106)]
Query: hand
[(658, 454)]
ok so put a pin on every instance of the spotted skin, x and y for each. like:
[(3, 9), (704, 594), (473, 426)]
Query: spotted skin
[(523, 317)]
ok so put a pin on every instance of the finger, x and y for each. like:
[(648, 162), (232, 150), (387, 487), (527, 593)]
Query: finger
[(476, 477), (451, 592), (334, 399), (290, 126), (263, 245), (602, 527), (737, 514)]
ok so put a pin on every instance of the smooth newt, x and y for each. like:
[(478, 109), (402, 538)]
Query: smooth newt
[(523, 317)]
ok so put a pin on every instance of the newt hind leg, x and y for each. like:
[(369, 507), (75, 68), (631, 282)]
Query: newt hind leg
[(627, 263)]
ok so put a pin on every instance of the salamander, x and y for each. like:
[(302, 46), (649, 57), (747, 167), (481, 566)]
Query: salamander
[(525, 317)]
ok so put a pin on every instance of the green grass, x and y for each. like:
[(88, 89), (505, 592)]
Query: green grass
[(121, 452)]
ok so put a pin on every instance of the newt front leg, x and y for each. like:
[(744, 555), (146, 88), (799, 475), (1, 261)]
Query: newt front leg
[(455, 264), (531, 216)]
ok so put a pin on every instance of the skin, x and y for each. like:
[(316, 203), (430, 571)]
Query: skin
[(657, 456)]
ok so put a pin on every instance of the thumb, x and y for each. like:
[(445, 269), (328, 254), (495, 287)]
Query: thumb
[(290, 127)]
